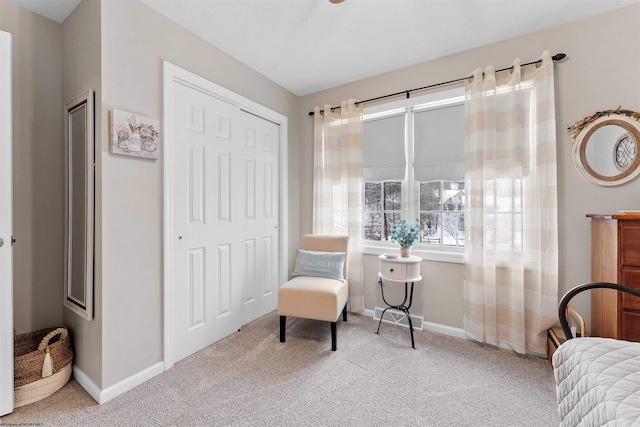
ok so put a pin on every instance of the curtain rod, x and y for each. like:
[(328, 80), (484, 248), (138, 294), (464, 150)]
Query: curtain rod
[(556, 57)]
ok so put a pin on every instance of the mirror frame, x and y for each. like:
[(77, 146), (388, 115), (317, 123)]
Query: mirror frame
[(80, 304), (629, 124)]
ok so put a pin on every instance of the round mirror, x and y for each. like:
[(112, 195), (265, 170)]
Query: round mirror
[(605, 151)]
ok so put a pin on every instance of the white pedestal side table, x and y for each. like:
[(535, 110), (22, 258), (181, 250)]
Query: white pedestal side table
[(399, 270)]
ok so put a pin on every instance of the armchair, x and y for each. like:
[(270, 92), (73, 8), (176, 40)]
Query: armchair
[(313, 297)]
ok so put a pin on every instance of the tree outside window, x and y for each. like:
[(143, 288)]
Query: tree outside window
[(382, 209)]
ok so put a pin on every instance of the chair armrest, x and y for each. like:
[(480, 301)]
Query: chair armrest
[(562, 308), (581, 323)]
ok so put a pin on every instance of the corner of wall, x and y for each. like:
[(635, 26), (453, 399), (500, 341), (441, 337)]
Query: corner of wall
[(81, 71)]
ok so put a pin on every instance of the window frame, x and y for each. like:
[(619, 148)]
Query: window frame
[(410, 209)]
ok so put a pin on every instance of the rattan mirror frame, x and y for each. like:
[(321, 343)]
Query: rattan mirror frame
[(630, 125)]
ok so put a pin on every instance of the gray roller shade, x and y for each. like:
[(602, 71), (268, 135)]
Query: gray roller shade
[(383, 153), (439, 144)]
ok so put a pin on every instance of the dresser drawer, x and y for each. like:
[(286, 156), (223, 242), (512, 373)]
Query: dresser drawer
[(400, 269), (630, 325), (393, 270), (630, 276), (629, 243)]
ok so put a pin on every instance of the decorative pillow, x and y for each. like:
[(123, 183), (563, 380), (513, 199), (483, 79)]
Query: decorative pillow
[(320, 264)]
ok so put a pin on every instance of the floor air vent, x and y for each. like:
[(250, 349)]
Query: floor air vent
[(398, 318)]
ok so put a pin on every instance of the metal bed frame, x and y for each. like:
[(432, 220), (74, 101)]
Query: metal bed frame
[(562, 308)]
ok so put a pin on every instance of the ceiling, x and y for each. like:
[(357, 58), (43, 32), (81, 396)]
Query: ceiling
[(311, 45)]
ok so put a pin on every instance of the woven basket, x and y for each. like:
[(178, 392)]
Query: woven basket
[(29, 355)]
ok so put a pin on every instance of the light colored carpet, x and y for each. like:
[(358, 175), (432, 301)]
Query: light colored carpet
[(251, 379)]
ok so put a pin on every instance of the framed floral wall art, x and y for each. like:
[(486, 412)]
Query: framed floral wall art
[(134, 135)]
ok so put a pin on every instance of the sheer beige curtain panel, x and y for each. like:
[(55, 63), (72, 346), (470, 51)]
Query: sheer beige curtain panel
[(511, 250), (337, 185)]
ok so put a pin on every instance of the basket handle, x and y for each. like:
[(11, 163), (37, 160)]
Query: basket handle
[(45, 341)]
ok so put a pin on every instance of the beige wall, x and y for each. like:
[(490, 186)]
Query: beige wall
[(115, 48), (135, 40), (438, 297), (81, 71), (37, 168), (600, 72), (125, 70)]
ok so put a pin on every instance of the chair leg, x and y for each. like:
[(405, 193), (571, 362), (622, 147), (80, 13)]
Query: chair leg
[(333, 336), (283, 324), (344, 313)]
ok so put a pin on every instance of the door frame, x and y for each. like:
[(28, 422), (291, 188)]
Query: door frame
[(6, 228), (175, 74)]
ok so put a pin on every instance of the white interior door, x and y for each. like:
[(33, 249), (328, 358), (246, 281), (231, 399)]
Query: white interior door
[(6, 229), (207, 255), (225, 212), (260, 154)]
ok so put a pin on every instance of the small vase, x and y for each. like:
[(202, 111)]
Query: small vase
[(405, 251)]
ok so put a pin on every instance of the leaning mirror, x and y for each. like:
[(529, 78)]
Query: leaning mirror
[(605, 146), (79, 202)]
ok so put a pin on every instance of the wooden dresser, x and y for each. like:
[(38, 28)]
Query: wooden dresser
[(615, 257)]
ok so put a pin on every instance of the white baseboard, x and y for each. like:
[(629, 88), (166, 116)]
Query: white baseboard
[(454, 332), (104, 395), (131, 382), (86, 383), (430, 326), (445, 330)]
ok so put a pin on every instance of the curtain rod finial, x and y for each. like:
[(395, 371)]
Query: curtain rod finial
[(558, 56)]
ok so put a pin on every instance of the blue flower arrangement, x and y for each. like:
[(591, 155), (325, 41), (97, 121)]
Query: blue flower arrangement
[(405, 234)]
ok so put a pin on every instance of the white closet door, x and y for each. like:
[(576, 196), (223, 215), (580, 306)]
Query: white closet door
[(6, 227), (208, 178), (223, 179), (260, 246)]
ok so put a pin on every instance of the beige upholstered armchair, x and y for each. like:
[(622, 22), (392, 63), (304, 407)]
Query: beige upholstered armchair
[(316, 296)]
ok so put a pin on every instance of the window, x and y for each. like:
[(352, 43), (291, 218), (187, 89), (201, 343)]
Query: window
[(442, 213), (382, 209), (413, 167)]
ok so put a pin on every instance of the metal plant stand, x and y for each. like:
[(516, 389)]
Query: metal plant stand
[(399, 270)]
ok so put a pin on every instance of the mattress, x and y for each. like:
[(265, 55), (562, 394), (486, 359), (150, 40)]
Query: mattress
[(598, 382)]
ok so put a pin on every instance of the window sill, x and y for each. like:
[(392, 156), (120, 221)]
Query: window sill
[(455, 256)]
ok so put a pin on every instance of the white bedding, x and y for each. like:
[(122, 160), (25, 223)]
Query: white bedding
[(598, 382)]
